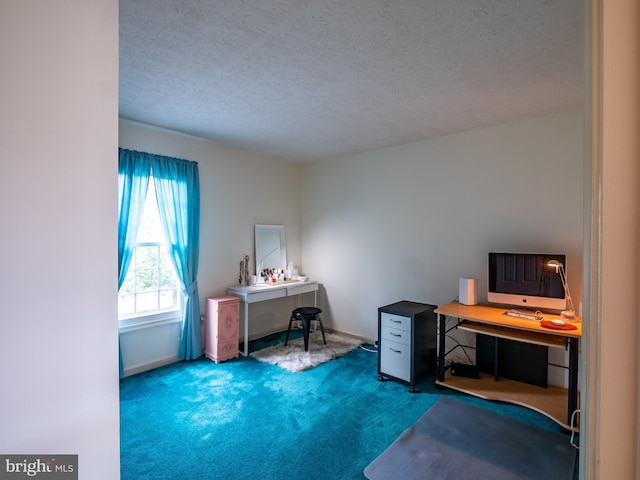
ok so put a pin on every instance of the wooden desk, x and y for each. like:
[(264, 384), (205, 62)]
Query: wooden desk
[(263, 292), (556, 403)]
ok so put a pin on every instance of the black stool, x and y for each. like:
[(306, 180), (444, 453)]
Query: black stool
[(306, 315)]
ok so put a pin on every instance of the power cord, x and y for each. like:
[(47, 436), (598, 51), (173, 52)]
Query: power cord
[(374, 350), (461, 346), (573, 430), (456, 342)]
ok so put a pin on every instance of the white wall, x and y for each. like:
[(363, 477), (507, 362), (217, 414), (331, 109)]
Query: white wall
[(238, 190), (150, 345), (399, 223), (405, 223), (58, 310)]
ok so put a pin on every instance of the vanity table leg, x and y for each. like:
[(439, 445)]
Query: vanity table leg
[(246, 329)]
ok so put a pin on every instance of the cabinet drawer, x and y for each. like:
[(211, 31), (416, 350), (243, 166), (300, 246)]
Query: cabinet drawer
[(396, 335), (297, 289), (396, 321), (228, 349), (219, 352), (395, 360)]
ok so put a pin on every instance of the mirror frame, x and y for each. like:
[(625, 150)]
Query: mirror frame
[(269, 229)]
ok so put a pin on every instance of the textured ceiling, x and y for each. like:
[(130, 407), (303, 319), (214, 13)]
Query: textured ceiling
[(304, 80)]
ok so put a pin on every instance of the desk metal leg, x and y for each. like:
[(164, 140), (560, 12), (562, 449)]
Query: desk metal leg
[(441, 338), (573, 378), (496, 349)]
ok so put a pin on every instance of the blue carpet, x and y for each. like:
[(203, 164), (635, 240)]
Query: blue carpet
[(244, 419)]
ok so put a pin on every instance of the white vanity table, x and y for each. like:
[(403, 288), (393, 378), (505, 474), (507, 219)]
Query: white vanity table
[(263, 292)]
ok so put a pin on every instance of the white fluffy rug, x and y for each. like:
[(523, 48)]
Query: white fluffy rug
[(293, 357)]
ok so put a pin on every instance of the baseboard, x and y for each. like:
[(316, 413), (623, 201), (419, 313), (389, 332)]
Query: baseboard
[(272, 331), (265, 333), (367, 340), (150, 366), (167, 361)]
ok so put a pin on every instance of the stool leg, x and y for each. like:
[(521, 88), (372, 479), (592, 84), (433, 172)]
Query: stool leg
[(305, 330), (321, 329), (288, 330)]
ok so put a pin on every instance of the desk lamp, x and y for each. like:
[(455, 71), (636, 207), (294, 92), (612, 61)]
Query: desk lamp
[(569, 314)]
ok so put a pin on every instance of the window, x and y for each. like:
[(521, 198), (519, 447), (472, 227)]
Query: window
[(151, 286)]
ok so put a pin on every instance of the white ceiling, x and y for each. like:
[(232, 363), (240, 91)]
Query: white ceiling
[(304, 80)]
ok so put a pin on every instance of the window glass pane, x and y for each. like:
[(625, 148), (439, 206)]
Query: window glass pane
[(168, 299), (151, 285), (165, 259), (126, 304), (147, 257), (167, 279), (129, 285), (150, 227), (146, 279), (147, 302)]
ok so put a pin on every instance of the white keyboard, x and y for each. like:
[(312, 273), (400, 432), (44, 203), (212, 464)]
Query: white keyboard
[(524, 316)]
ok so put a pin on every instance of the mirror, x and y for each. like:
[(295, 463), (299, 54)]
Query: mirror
[(271, 249)]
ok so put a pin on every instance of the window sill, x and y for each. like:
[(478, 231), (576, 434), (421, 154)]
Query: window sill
[(147, 321)]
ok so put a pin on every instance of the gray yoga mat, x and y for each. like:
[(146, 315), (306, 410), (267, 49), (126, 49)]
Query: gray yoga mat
[(455, 440)]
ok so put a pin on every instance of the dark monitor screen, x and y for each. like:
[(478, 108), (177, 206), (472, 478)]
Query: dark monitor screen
[(525, 279)]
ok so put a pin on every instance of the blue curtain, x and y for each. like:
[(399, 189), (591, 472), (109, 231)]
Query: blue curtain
[(133, 179), (178, 194)]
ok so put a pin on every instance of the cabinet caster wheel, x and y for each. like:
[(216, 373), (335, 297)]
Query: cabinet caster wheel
[(412, 390), (381, 378)]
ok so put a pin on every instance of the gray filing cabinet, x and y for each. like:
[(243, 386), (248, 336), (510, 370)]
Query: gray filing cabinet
[(407, 339)]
